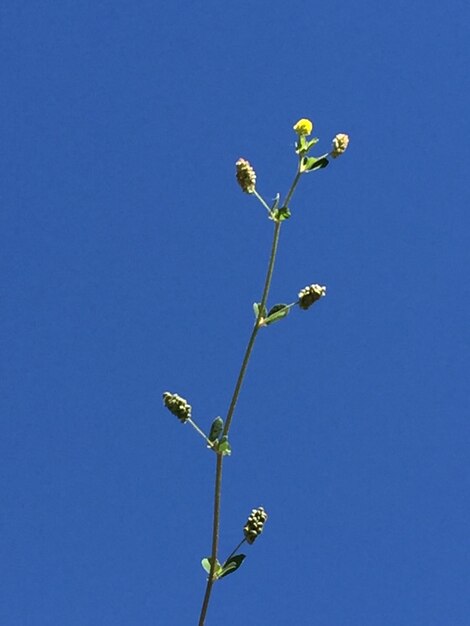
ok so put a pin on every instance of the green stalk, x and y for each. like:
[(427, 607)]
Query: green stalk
[(235, 550), (215, 538), (233, 403)]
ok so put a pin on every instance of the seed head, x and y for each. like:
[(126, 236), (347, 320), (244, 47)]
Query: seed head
[(177, 405), (246, 176), (254, 525), (310, 294)]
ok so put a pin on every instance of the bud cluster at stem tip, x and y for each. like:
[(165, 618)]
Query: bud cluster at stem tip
[(246, 176), (177, 405), (310, 294), (254, 525)]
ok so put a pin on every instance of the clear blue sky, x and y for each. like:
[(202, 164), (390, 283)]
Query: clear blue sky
[(130, 261)]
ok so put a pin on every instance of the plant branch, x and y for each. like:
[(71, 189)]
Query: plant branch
[(262, 200), (254, 332), (233, 551), (233, 403), (210, 444), (290, 193)]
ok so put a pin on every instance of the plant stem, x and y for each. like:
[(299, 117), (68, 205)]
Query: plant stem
[(233, 403), (254, 332), (262, 200), (215, 538), (292, 187), (233, 551), (236, 393), (198, 430)]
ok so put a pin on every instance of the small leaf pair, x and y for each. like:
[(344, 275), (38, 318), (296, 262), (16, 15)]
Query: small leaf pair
[(230, 566), (222, 446), (275, 313)]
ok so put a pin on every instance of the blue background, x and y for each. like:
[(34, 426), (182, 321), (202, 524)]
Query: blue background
[(131, 260)]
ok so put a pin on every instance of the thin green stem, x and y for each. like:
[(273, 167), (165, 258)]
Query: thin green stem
[(290, 193), (233, 551), (198, 430), (256, 327), (215, 538), (219, 464), (233, 403), (263, 201)]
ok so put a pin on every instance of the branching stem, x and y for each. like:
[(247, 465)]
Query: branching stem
[(210, 444), (233, 403)]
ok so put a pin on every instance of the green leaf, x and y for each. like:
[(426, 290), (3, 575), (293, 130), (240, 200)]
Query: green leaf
[(312, 142), (276, 308), (206, 564), (319, 164), (224, 446), (256, 310), (302, 147), (276, 313), (281, 214), (232, 565), (310, 164), (306, 162), (216, 428)]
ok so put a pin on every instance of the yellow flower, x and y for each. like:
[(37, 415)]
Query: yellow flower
[(303, 127)]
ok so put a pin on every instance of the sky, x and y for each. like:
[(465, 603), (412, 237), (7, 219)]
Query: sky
[(130, 261)]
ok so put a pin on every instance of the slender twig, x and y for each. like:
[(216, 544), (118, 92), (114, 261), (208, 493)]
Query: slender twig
[(292, 187), (236, 393), (234, 550), (210, 444), (263, 201)]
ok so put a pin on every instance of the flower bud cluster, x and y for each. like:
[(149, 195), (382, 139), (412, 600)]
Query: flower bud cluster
[(246, 176), (340, 143), (255, 523), (310, 294), (177, 405)]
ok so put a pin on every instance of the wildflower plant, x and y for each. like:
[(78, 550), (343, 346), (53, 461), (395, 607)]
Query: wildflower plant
[(217, 437)]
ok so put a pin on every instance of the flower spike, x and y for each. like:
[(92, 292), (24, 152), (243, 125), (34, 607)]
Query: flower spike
[(310, 294), (177, 405), (255, 523), (246, 176)]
